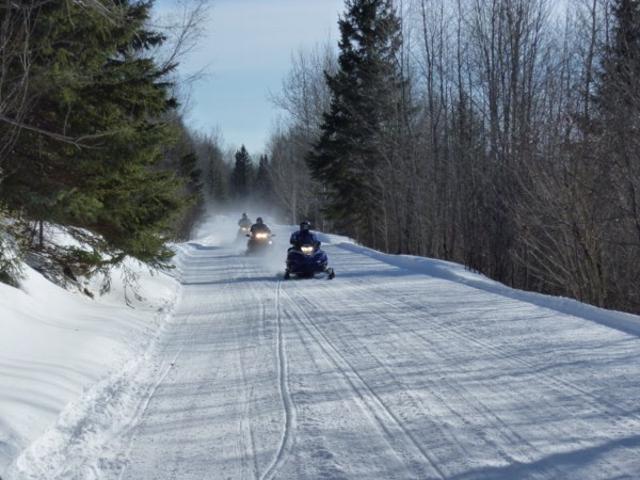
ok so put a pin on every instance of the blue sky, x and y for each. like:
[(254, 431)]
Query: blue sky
[(247, 48)]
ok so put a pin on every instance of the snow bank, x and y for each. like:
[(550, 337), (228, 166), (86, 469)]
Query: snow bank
[(55, 345)]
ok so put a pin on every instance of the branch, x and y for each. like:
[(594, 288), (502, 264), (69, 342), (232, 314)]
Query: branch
[(77, 142)]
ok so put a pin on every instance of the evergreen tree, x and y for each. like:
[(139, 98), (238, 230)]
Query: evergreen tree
[(87, 159), (192, 178), (189, 170), (263, 184), (242, 174), (618, 101), (617, 159), (217, 179), (215, 171), (618, 96), (365, 92)]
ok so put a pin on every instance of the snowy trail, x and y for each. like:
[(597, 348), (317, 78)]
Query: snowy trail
[(381, 373)]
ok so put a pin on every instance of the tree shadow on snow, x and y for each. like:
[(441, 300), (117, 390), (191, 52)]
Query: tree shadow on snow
[(573, 461), (199, 246), (227, 281)]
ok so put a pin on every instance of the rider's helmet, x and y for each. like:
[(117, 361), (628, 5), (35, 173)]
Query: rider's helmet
[(305, 225), (244, 215), (259, 220)]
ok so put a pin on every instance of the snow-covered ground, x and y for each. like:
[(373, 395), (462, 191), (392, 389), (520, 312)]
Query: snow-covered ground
[(55, 346), (399, 368)]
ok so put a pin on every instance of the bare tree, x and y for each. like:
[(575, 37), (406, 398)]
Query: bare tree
[(502, 161), (304, 96)]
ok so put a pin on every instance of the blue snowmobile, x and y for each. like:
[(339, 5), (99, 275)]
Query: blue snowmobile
[(305, 258)]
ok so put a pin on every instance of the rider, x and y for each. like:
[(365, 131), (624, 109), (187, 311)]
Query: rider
[(259, 226), (304, 237), (244, 221)]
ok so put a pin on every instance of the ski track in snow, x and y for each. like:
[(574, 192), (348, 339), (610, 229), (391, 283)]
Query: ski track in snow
[(381, 373), (284, 393)]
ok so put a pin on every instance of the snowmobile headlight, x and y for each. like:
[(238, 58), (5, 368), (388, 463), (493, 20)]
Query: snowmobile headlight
[(307, 249), (261, 236)]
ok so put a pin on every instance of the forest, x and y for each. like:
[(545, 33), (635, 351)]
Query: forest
[(500, 134)]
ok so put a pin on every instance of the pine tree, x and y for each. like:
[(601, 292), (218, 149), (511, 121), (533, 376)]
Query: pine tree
[(99, 96), (619, 92), (263, 184), (618, 156), (618, 102), (191, 176), (218, 181), (364, 112), (189, 170), (242, 175), (214, 176)]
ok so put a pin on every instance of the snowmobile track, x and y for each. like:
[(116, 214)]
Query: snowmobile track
[(509, 435), (287, 402), (524, 448), (371, 401), (497, 352)]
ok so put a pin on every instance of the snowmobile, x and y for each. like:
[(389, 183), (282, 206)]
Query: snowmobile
[(259, 242), (306, 261), (242, 232)]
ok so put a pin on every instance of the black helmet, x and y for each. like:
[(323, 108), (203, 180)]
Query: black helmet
[(244, 215), (259, 220), (305, 225)]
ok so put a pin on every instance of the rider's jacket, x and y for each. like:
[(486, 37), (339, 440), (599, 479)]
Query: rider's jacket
[(303, 237), (260, 227)]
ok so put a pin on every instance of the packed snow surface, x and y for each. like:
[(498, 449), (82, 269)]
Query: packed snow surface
[(399, 368)]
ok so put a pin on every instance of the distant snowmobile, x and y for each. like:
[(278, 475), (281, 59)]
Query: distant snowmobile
[(305, 258), (259, 242), (259, 238), (244, 225), (242, 232)]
